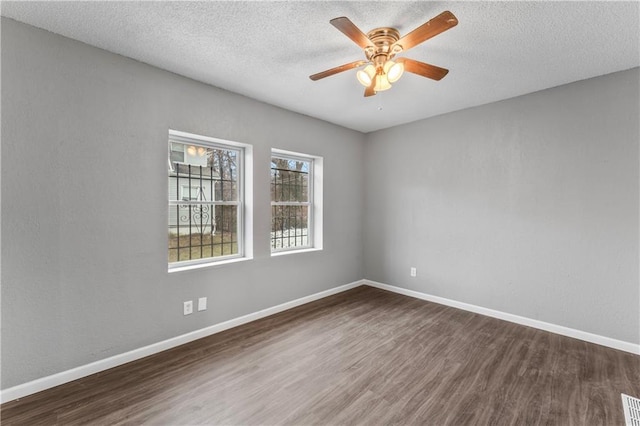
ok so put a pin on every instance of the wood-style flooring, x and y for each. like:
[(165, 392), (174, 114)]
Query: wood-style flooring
[(366, 357)]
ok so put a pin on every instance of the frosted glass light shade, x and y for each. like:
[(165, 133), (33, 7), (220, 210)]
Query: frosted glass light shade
[(365, 76), (393, 70), (382, 83)]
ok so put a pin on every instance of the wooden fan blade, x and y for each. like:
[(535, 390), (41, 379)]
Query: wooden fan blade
[(337, 70), (349, 29), (429, 29), (369, 90), (426, 70)]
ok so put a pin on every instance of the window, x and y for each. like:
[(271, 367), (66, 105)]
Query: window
[(206, 200), (296, 191), (193, 193), (176, 153)]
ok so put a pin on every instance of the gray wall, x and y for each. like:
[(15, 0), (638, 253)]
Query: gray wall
[(527, 206), (84, 212)]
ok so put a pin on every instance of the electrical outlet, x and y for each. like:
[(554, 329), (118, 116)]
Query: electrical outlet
[(414, 272), (202, 304), (188, 307)]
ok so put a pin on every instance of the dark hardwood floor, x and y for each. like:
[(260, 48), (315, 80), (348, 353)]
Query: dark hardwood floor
[(365, 356)]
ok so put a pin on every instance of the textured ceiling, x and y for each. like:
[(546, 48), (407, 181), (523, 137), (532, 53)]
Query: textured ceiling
[(267, 50)]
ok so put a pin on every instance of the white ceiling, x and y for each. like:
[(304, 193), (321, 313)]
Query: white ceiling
[(267, 50)]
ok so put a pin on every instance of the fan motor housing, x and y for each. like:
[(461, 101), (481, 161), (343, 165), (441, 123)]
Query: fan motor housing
[(382, 38)]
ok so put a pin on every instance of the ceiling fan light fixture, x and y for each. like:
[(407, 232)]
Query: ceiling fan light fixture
[(393, 70), (381, 45), (366, 75)]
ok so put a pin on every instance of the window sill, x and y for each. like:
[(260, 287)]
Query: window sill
[(208, 264), (285, 252)]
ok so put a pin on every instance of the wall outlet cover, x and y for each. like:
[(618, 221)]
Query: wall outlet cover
[(202, 304), (188, 307)]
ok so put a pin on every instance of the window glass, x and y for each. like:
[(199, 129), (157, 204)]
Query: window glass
[(205, 202), (291, 206)]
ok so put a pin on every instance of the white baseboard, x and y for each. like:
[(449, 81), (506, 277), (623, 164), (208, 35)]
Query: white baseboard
[(47, 382), (44, 383), (553, 328)]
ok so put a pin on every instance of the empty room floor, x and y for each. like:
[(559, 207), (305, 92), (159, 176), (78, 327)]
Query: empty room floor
[(365, 356)]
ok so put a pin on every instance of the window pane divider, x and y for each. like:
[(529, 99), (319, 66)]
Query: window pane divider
[(290, 203), (200, 203)]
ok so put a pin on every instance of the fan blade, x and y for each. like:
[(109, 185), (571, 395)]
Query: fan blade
[(336, 70), (349, 29), (429, 29), (369, 90), (426, 70)]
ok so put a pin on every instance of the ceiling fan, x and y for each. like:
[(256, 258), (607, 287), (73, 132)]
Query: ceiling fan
[(380, 47)]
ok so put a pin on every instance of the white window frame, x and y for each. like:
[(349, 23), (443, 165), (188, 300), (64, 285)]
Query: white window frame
[(314, 202), (244, 203)]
